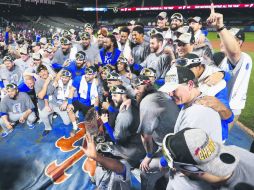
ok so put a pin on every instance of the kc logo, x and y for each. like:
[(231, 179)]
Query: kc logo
[(57, 172)]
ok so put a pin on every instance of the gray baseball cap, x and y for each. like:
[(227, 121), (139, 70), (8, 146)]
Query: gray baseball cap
[(186, 38), (194, 146)]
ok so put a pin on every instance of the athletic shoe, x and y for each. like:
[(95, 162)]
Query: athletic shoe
[(31, 126), (4, 134), (45, 132)]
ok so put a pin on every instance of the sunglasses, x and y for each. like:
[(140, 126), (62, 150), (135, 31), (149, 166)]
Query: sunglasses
[(147, 72), (183, 62), (169, 155), (115, 90), (66, 73), (11, 86), (80, 57), (7, 58), (65, 41), (85, 36)]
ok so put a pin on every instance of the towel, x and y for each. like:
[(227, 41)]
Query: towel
[(83, 89), (61, 93)]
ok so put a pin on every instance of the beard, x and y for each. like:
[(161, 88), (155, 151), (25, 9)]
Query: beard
[(174, 27), (118, 104), (107, 47)]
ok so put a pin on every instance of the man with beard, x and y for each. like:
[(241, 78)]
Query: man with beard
[(16, 107), (128, 143), (110, 53), (10, 73), (62, 54), (78, 67), (157, 59), (158, 115), (125, 43), (48, 54), (141, 49), (86, 87), (25, 60), (92, 52), (44, 88)]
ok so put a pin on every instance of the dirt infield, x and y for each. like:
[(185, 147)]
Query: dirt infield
[(247, 46)]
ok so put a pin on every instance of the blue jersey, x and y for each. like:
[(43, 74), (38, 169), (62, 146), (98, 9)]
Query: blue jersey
[(76, 84), (75, 71)]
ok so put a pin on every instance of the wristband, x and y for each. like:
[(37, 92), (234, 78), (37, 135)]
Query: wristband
[(149, 155), (220, 29), (69, 100), (163, 162), (96, 108)]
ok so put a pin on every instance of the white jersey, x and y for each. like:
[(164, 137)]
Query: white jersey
[(238, 84)]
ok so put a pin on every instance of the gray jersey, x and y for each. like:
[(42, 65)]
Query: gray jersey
[(140, 52), (158, 115), (129, 144), (13, 76), (19, 105), (92, 53), (204, 51), (199, 116), (59, 57), (159, 62), (23, 65), (51, 93)]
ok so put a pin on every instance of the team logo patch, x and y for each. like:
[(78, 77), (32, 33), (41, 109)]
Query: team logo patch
[(206, 150)]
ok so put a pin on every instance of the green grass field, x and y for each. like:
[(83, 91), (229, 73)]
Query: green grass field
[(247, 116)]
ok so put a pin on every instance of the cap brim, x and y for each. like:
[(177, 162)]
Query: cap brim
[(217, 166), (183, 41), (168, 87)]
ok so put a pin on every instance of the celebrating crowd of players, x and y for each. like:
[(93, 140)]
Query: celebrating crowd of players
[(166, 100)]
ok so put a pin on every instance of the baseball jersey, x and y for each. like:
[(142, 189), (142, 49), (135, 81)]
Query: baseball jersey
[(140, 51), (23, 65), (13, 76), (158, 116), (92, 53), (19, 105), (199, 116)]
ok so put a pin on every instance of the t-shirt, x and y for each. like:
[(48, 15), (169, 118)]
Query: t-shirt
[(60, 57), (129, 145), (75, 71), (31, 92), (13, 76), (51, 93), (17, 106), (92, 53), (158, 114), (140, 52), (199, 116), (159, 62), (23, 65)]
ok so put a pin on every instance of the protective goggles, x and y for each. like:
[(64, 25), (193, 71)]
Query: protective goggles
[(106, 69), (111, 77), (90, 71), (169, 155), (184, 62), (88, 25), (147, 72), (122, 60), (104, 147), (65, 41), (116, 90), (177, 16), (80, 57), (11, 86), (7, 58), (85, 36), (137, 82), (66, 73)]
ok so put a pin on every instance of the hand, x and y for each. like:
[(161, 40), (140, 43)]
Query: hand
[(144, 166), (70, 107), (48, 108), (105, 105), (104, 118), (215, 19), (214, 78), (210, 101), (9, 125), (90, 149), (63, 107), (22, 119), (125, 105)]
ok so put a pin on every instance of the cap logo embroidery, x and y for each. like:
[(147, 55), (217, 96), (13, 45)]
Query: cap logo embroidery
[(171, 78)]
